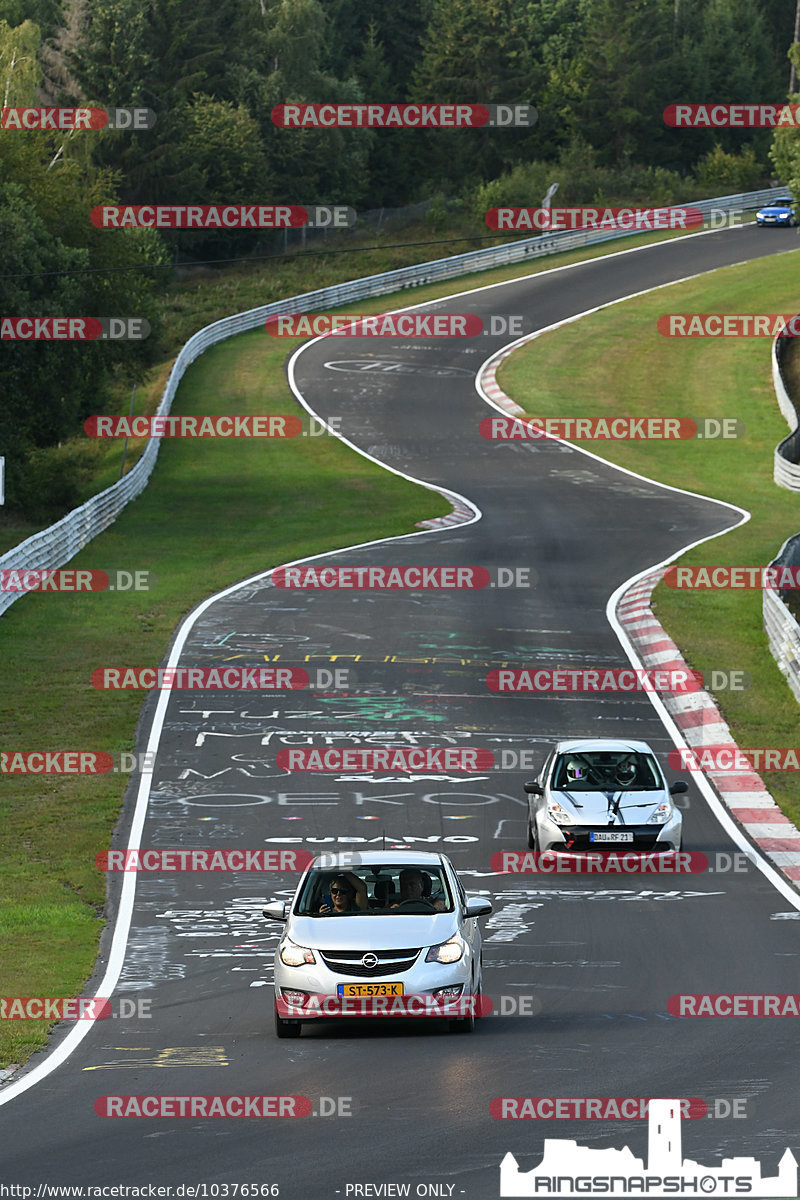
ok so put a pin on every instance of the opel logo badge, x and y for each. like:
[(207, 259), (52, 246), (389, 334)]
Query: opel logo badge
[(369, 961)]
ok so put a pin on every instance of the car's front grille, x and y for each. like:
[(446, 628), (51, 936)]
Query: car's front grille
[(348, 962), (643, 839)]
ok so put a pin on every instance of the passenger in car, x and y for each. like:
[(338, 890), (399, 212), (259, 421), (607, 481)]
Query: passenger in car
[(348, 895)]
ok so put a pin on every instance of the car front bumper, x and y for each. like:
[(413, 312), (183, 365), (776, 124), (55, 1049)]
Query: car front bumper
[(646, 838), (321, 983)]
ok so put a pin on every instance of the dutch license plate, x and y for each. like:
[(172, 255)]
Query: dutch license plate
[(370, 989), (612, 835)]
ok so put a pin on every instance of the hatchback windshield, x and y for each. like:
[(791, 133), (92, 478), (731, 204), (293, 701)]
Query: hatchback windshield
[(385, 889), (606, 770)]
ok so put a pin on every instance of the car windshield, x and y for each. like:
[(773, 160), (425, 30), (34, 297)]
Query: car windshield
[(384, 889), (606, 770)]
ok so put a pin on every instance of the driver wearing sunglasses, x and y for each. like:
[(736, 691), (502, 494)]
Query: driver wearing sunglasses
[(348, 895)]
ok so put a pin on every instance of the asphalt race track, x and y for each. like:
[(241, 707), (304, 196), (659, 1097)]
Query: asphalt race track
[(595, 959)]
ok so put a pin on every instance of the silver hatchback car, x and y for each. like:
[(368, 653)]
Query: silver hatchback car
[(603, 794), (382, 933)]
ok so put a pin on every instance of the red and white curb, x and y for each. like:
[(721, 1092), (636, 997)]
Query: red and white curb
[(489, 382), (459, 515), (700, 723)]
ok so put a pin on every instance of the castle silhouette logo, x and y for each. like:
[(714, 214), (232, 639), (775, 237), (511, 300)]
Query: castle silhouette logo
[(568, 1169)]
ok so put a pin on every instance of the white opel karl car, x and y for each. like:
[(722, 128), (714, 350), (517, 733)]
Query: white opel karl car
[(383, 933)]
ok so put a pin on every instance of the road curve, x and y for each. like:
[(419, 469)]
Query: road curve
[(598, 958)]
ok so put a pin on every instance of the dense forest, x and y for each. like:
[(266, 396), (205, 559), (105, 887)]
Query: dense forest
[(600, 73)]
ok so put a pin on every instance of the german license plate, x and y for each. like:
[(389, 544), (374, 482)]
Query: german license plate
[(611, 835), (370, 989)]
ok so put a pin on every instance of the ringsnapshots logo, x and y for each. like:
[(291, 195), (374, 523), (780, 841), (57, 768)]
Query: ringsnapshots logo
[(404, 116), (73, 329), (628, 220), (568, 1169), (222, 216), (71, 120)]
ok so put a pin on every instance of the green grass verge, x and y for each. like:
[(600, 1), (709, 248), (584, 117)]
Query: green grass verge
[(213, 513), (626, 368)]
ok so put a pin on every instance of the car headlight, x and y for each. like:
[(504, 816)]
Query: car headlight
[(661, 815), (295, 956), (447, 952), (558, 814)]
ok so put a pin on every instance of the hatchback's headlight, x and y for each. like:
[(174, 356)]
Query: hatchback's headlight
[(447, 952), (661, 815), (295, 956), (558, 814)]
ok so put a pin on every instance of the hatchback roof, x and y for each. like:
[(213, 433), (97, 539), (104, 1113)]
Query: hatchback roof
[(604, 744), (375, 858)]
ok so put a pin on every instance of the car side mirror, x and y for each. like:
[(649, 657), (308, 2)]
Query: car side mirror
[(533, 787), (477, 907), (679, 787), (276, 910)]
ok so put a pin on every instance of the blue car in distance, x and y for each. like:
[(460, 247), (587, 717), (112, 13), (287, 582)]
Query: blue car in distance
[(779, 212)]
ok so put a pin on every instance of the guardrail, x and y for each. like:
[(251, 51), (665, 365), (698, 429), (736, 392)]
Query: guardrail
[(785, 471), (56, 545), (783, 631)]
